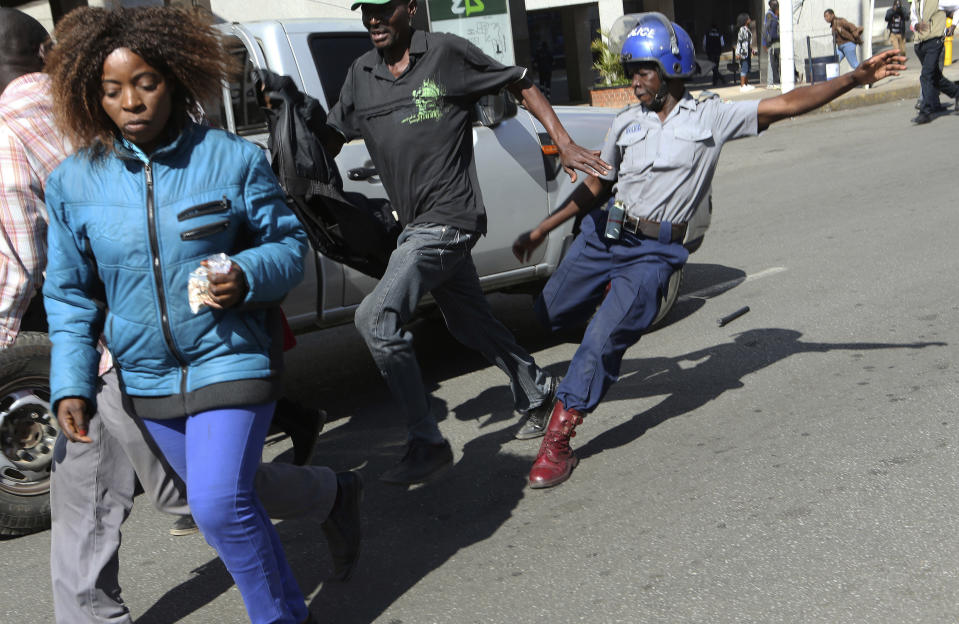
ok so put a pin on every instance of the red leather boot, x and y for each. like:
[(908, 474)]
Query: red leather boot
[(556, 459)]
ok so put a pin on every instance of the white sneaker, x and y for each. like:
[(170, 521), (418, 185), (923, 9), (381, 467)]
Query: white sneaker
[(745, 88)]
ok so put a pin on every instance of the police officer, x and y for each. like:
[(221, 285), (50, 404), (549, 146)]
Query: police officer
[(663, 153), (714, 43)]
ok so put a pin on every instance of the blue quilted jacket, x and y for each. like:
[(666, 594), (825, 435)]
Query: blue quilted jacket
[(125, 233)]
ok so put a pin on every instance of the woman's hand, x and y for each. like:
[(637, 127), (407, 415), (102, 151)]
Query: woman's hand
[(73, 419), (226, 289)]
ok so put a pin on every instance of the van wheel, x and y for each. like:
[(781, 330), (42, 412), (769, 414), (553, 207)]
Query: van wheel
[(672, 292), (28, 431)]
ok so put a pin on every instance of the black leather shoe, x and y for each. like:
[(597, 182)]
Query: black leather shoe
[(342, 528), (422, 461), (536, 418), (184, 525), (921, 118), (303, 424)]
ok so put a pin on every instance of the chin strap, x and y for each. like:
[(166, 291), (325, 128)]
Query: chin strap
[(659, 100)]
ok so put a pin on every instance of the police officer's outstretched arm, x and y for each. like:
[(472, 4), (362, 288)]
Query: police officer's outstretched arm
[(571, 155), (582, 200), (805, 99)]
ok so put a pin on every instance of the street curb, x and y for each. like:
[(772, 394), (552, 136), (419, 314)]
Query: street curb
[(869, 98)]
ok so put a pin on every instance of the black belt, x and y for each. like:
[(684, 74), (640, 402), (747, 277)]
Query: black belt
[(650, 229)]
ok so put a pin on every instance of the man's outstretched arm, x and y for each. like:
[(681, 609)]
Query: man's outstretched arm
[(571, 155), (805, 99)]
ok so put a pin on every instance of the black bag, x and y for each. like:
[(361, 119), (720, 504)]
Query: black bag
[(352, 229)]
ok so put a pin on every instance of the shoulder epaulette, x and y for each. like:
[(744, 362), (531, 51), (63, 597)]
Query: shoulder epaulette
[(627, 108), (706, 95)]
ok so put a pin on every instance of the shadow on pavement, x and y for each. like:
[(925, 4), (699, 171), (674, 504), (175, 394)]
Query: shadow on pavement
[(717, 370)]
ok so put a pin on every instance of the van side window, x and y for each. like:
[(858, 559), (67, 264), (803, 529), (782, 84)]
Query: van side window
[(333, 54), (247, 113)]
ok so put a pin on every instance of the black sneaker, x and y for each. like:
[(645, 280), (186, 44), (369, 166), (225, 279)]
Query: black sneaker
[(303, 424), (538, 417), (184, 525), (342, 528), (421, 461), (921, 118)]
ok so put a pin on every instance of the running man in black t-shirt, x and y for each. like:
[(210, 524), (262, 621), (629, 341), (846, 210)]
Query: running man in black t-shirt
[(410, 99)]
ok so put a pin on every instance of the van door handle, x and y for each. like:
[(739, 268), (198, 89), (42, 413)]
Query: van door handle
[(362, 173)]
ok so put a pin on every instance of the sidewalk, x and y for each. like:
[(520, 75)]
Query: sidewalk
[(905, 86)]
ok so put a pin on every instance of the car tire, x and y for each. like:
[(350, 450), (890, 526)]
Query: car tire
[(672, 293), (28, 432)]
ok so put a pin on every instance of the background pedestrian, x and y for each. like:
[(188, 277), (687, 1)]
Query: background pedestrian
[(714, 44), (928, 19), (846, 36), (771, 42), (544, 67), (744, 50), (896, 20)]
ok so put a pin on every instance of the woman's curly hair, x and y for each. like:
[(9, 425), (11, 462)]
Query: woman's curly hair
[(179, 44)]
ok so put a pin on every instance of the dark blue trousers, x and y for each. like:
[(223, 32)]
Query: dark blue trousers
[(931, 80), (638, 270)]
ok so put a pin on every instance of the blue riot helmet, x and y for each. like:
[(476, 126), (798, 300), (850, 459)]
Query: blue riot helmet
[(654, 38)]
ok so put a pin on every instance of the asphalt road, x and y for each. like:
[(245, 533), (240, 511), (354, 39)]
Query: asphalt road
[(797, 465)]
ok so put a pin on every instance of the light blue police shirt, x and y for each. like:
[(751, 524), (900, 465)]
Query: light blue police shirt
[(663, 170)]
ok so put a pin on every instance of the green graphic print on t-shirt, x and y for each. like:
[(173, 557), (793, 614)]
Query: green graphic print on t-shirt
[(427, 100)]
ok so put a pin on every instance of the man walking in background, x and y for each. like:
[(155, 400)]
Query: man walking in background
[(928, 19), (896, 19), (713, 44), (771, 43), (846, 36)]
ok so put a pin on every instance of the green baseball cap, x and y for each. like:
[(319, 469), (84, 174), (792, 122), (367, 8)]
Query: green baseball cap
[(359, 2)]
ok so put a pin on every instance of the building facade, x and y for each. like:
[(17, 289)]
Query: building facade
[(566, 27)]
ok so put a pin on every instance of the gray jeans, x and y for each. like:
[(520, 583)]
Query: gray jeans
[(436, 259), (91, 494)]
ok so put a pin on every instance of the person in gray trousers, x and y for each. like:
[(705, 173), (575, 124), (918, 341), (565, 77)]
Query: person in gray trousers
[(93, 481)]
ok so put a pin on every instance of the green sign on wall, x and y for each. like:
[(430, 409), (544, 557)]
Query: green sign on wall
[(484, 22)]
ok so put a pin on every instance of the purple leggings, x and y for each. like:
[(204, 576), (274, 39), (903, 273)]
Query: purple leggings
[(216, 453)]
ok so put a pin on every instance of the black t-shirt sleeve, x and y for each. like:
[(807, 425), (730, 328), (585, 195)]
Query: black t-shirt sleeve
[(483, 75), (342, 116)]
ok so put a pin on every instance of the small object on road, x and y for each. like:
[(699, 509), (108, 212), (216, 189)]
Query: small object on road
[(729, 318)]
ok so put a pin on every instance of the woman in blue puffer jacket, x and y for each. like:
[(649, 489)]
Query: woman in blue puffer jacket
[(148, 196)]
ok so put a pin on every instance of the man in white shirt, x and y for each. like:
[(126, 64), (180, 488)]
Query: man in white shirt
[(928, 19)]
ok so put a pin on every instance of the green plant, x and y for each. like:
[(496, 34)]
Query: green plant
[(607, 62)]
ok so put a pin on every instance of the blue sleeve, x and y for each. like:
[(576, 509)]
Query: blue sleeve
[(274, 264), (75, 319)]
